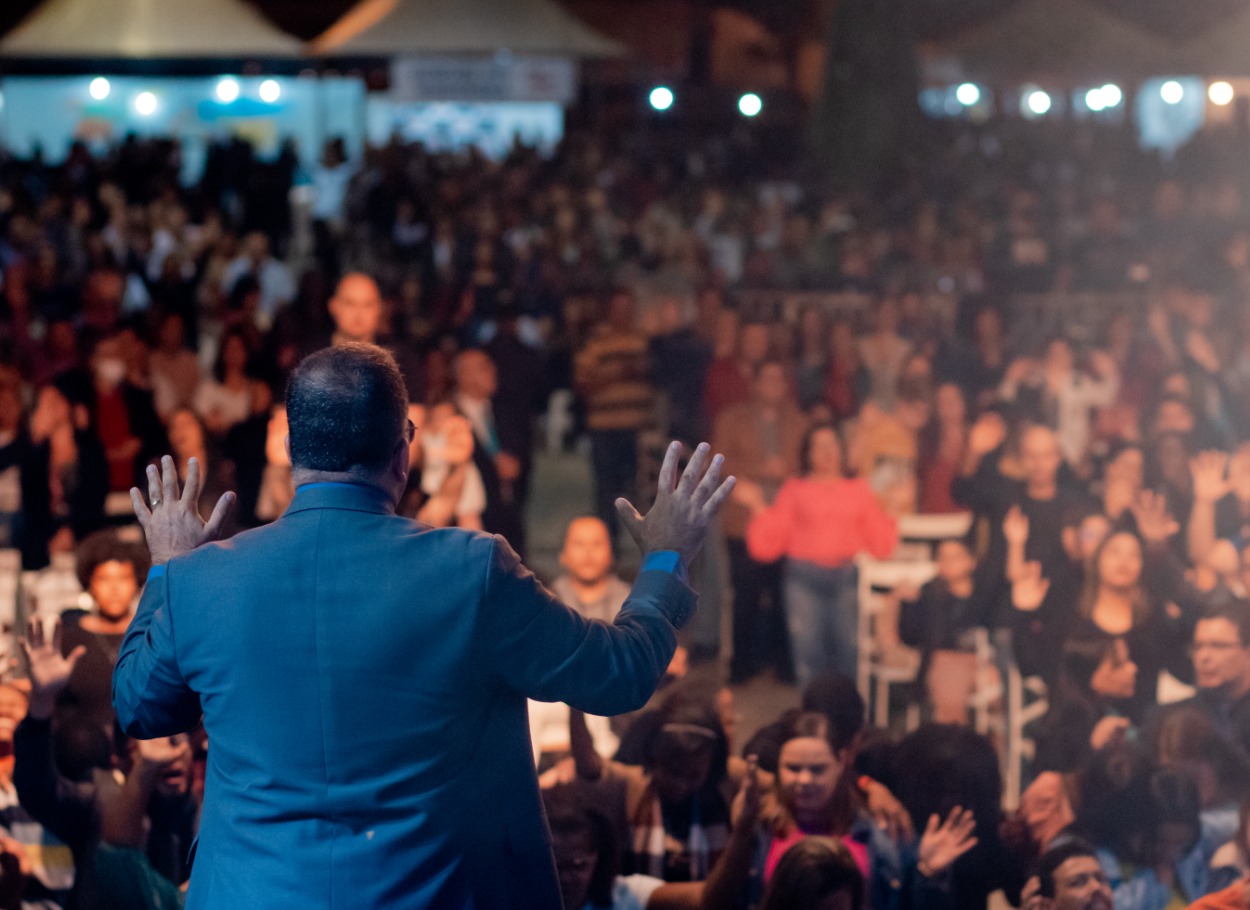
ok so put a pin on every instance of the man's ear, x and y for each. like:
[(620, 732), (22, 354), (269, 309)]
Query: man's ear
[(286, 444)]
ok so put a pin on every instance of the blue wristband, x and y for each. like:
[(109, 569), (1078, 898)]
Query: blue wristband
[(664, 561)]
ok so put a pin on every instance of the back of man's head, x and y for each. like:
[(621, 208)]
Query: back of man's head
[(347, 407)]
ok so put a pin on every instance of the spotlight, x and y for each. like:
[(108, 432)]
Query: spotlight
[(968, 94), (145, 104), (750, 104), (1172, 92), (1111, 95), (1096, 99), (1038, 102), (661, 98), (1220, 93), (99, 88), (270, 91), (227, 90)]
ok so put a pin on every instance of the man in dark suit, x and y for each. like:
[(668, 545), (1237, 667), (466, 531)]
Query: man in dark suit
[(363, 678)]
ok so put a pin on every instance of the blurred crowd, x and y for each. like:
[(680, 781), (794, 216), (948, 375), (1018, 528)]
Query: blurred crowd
[(1034, 323)]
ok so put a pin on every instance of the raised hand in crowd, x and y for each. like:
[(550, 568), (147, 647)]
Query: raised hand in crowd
[(943, 842), (683, 509), (986, 435), (890, 815), (1211, 483), (1030, 589), (1155, 523), (50, 669), (1016, 531), (173, 525)]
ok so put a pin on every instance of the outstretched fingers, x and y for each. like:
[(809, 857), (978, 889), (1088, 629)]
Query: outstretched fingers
[(191, 491), (668, 470), (694, 470), (169, 480), (217, 521), (718, 498), (630, 520), (711, 479), (141, 510)]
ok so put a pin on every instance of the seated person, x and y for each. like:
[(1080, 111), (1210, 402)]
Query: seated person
[(1097, 680), (817, 873), (1221, 656), (45, 864), (940, 621), (132, 820), (1068, 876), (588, 858)]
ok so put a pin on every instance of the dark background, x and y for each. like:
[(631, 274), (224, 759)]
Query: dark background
[(935, 18)]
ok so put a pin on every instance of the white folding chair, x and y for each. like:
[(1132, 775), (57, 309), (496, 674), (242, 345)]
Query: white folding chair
[(928, 531), (878, 578), (1021, 701)]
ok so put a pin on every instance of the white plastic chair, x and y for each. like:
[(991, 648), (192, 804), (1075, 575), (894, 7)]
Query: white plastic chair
[(878, 578), (927, 531)]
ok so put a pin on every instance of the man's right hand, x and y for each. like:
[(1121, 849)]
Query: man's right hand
[(682, 511), (49, 669)]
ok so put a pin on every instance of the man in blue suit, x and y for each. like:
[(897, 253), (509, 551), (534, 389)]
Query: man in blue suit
[(363, 678)]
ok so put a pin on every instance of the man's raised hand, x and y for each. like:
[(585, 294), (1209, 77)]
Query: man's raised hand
[(173, 524), (683, 508)]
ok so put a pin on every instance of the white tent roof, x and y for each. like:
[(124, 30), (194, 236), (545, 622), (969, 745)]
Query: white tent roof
[(384, 28), (1221, 50), (1069, 40), (147, 29)]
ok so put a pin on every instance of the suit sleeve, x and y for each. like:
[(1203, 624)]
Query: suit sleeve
[(549, 652), (150, 696)]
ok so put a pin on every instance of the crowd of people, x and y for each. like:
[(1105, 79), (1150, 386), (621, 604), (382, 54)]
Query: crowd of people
[(857, 356)]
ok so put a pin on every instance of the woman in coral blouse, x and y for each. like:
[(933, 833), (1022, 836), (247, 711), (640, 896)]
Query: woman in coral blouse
[(819, 522)]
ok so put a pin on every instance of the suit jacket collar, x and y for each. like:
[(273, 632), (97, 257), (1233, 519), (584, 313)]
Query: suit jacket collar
[(352, 497)]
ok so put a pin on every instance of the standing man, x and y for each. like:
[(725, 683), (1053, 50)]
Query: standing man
[(761, 439), (359, 315), (610, 373), (363, 678)]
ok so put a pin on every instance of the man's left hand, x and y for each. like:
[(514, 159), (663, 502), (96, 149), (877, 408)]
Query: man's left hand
[(173, 524)]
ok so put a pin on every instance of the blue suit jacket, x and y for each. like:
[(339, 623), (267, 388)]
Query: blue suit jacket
[(363, 679)]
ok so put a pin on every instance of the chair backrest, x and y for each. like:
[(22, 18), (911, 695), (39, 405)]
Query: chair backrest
[(876, 575), (934, 527)]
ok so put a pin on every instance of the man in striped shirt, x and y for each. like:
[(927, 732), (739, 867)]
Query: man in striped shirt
[(610, 373)]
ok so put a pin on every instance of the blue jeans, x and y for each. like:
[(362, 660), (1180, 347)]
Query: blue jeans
[(822, 617)]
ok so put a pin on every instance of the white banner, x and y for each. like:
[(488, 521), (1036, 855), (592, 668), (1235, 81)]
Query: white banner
[(503, 77)]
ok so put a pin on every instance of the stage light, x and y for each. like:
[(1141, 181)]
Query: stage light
[(1038, 102), (1172, 92), (145, 104), (1095, 100), (99, 88), (227, 90), (1111, 95), (661, 98), (750, 104), (968, 94), (1220, 93), (270, 91)]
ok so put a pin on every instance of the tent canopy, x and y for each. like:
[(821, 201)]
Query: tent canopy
[(385, 28), (1067, 41), (1219, 51), (155, 29)]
